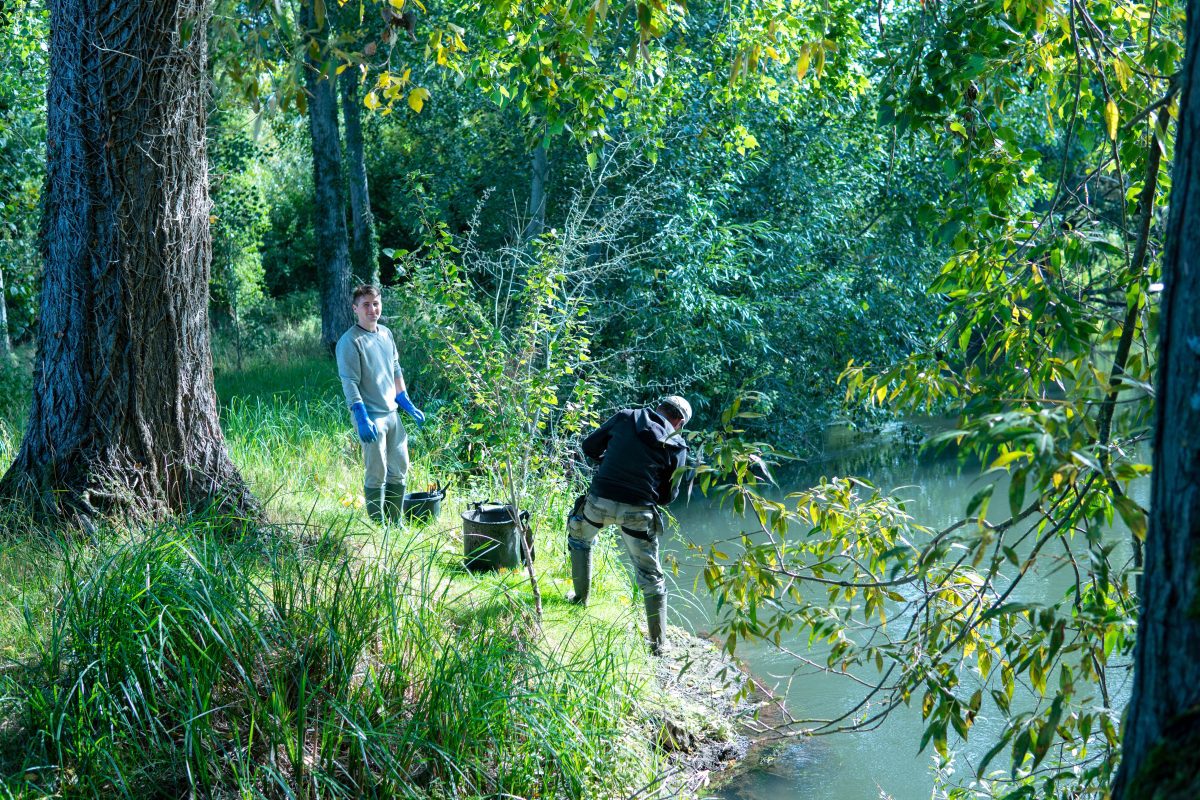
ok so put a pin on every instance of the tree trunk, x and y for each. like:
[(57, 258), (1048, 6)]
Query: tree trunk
[(124, 417), (5, 343), (364, 247), (1162, 731), (538, 170), (333, 258)]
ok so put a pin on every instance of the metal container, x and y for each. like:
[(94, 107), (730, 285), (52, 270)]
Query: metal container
[(491, 539), (424, 506)]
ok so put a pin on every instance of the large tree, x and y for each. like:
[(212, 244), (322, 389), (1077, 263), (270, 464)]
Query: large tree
[(1162, 732), (124, 416)]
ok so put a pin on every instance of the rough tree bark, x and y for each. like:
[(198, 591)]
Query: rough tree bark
[(538, 171), (364, 246), (1162, 731), (333, 257), (124, 417)]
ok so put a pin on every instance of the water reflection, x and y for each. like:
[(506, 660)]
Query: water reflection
[(785, 771)]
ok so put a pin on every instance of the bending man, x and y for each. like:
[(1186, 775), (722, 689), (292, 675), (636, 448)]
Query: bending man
[(640, 451)]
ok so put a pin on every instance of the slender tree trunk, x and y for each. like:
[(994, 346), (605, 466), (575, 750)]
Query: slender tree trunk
[(538, 172), (333, 257), (1162, 731), (364, 246), (599, 206), (124, 417), (5, 343)]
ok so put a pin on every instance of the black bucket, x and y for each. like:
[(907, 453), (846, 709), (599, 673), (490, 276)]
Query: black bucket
[(490, 538), (424, 506)]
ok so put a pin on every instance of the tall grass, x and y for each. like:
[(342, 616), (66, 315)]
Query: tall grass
[(318, 656), (177, 661)]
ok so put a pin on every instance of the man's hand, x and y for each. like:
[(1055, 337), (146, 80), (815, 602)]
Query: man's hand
[(366, 428), (405, 403)]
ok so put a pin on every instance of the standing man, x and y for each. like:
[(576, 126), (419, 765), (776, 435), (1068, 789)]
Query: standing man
[(369, 366), (640, 451)]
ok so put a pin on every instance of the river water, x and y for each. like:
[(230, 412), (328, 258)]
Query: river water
[(883, 763)]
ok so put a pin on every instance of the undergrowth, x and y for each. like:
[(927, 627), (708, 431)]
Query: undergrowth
[(317, 655)]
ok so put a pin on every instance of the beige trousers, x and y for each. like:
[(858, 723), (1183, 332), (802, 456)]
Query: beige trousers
[(386, 458)]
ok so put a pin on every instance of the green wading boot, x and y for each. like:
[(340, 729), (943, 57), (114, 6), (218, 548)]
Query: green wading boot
[(656, 623), (374, 498), (581, 576), (393, 502)]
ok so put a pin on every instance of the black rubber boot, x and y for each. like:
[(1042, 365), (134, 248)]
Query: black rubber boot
[(374, 498), (393, 502), (656, 623), (581, 576)]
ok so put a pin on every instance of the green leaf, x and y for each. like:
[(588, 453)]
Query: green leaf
[(1133, 515), (980, 501), (1016, 489)]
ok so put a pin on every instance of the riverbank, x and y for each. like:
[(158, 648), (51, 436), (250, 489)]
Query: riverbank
[(320, 654)]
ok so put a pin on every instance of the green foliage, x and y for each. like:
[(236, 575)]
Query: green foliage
[(1050, 206), (240, 215), (937, 616), (15, 384), (23, 67), (517, 358)]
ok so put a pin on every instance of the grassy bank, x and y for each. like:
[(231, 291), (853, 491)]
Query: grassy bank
[(318, 655)]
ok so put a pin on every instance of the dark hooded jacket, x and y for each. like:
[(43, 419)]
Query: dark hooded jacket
[(639, 453)]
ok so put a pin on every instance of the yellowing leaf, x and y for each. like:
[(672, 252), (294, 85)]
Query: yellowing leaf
[(1111, 118), (397, 4), (371, 101), (802, 62), (417, 98), (1007, 458), (1124, 73)]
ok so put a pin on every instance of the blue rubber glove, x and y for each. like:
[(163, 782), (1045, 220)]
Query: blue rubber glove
[(404, 402), (366, 428)]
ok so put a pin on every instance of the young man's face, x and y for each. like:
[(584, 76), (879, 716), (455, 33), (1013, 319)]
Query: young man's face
[(367, 310)]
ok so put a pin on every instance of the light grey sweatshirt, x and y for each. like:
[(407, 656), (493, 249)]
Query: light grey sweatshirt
[(368, 364)]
